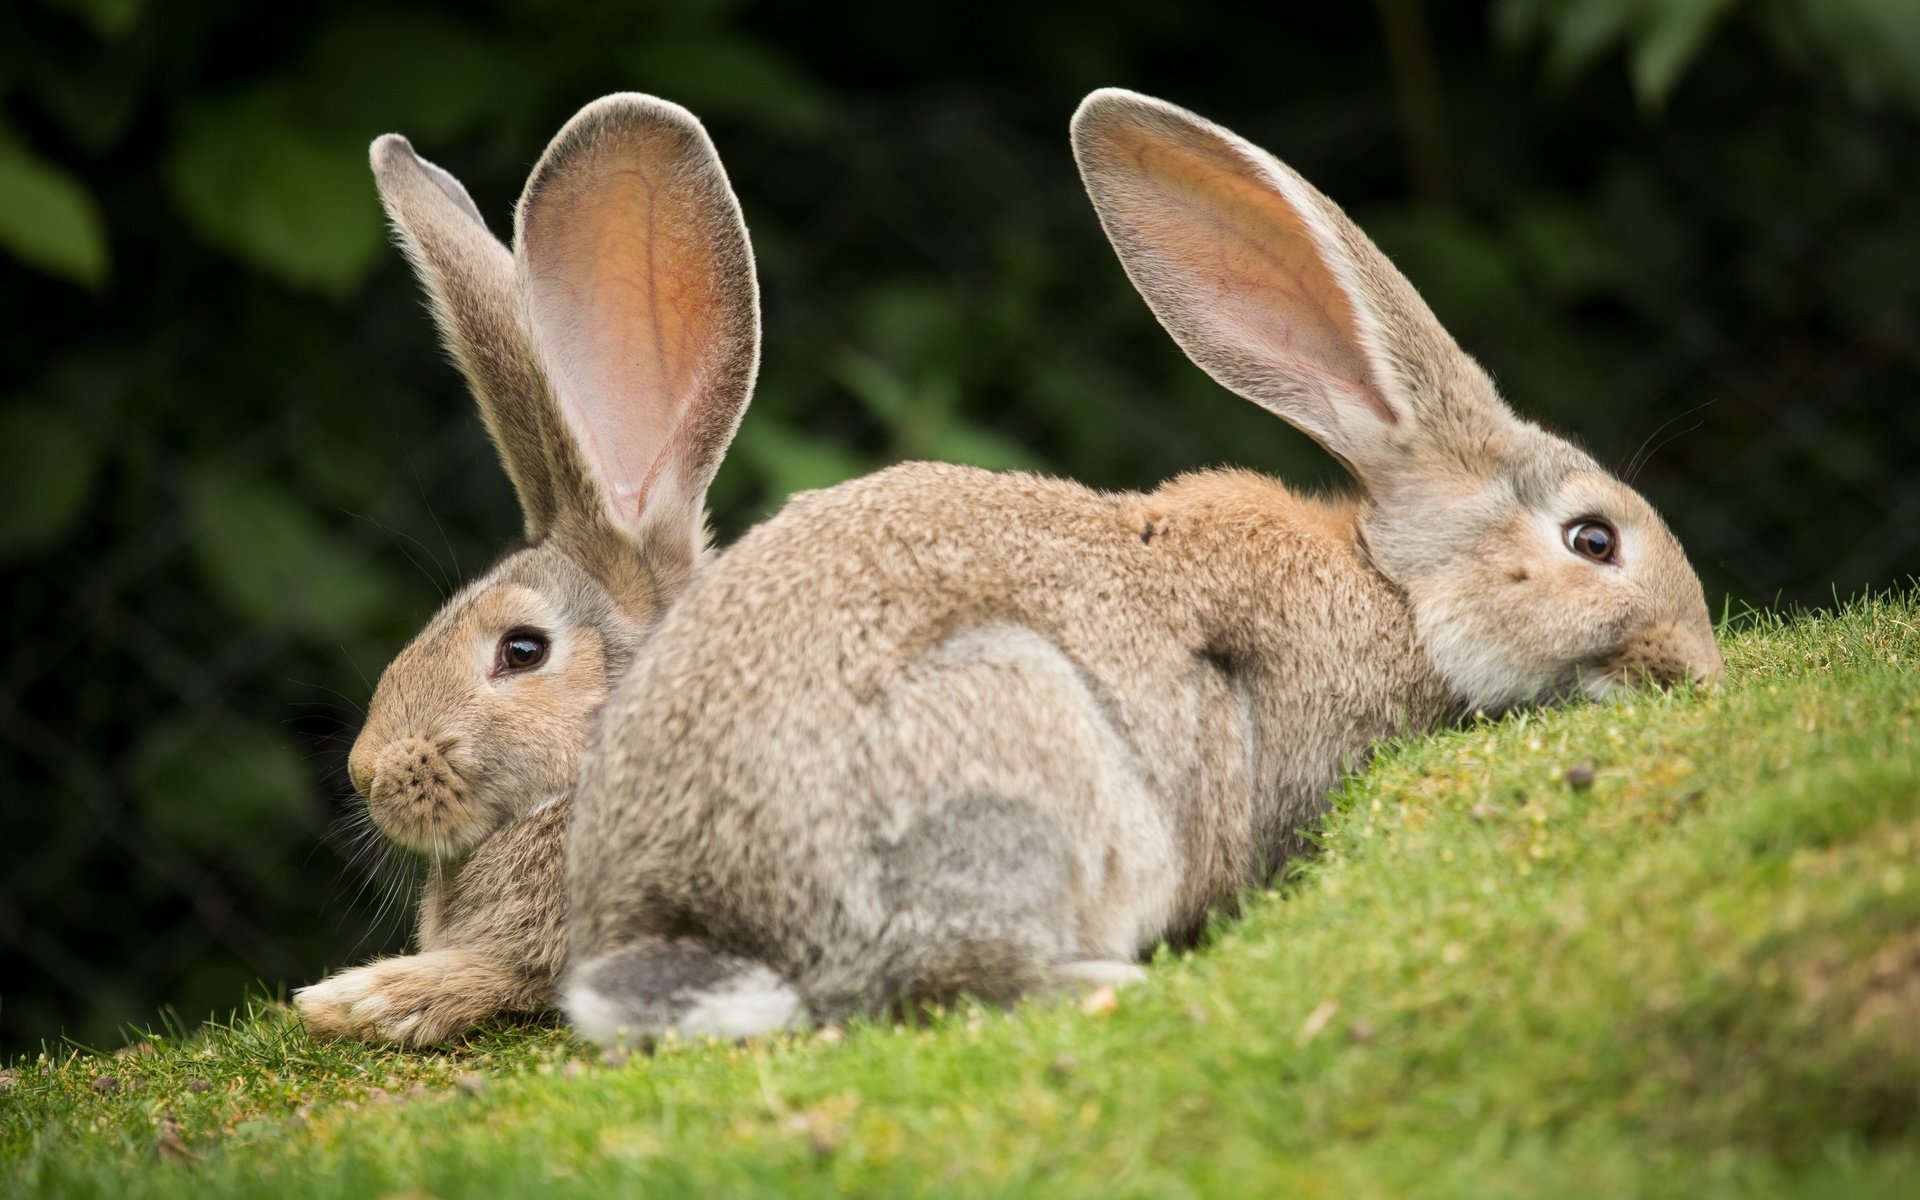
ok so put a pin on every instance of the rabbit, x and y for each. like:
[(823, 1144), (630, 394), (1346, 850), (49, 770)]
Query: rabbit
[(612, 354), (940, 731)]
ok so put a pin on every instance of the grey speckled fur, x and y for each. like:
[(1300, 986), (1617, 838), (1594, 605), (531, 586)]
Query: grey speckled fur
[(941, 730), (611, 355)]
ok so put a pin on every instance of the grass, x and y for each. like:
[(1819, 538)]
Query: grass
[(1697, 975)]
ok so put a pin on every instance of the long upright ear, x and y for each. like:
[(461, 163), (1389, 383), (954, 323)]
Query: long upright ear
[(1268, 286), (643, 309), (468, 275)]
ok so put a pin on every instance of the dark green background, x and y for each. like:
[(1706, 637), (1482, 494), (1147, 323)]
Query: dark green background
[(238, 473)]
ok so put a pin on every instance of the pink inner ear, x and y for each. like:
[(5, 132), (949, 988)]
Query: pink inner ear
[(621, 300), (1249, 265)]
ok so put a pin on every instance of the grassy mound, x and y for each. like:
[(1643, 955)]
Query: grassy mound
[(1665, 947)]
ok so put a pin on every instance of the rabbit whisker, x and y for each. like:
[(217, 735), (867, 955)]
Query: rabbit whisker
[(434, 517), (356, 667), (439, 580), (1647, 449), (354, 705)]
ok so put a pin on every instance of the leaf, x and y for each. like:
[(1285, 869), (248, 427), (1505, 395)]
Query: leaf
[(790, 461), (1662, 38), (1565, 246), (1875, 44), (427, 76), (962, 441), (1583, 30), (109, 18), (292, 203), (1516, 22), (1459, 267), (48, 219), (888, 397), (924, 418), (731, 76), (208, 789), (265, 558), (1670, 35), (52, 464)]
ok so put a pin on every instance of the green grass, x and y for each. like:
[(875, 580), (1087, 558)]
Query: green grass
[(1698, 976)]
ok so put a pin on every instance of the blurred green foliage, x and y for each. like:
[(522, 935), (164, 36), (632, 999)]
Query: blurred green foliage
[(241, 475)]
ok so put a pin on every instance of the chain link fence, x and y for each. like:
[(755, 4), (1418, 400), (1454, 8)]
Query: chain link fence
[(187, 661)]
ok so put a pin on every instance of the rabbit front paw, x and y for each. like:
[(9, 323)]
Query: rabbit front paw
[(414, 1000)]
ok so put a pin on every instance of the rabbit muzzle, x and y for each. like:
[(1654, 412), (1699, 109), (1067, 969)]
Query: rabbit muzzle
[(1663, 656), (418, 796)]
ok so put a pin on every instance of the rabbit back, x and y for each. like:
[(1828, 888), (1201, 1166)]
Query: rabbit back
[(1040, 723), (944, 730)]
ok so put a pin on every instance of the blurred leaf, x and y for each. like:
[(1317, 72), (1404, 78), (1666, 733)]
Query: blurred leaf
[(1870, 277), (886, 394), (52, 464), (1576, 32), (287, 201), (1668, 37), (1875, 43), (1515, 22), (93, 103), (48, 219), (109, 18), (729, 75), (420, 73), (1662, 38), (924, 418), (1567, 247), (1457, 265), (208, 789), (916, 324), (263, 556), (791, 461), (961, 441)]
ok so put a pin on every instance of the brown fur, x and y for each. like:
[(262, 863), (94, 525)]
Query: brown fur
[(610, 431), (491, 943), (1205, 609), (923, 727)]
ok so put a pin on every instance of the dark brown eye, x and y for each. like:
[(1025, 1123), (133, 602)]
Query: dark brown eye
[(521, 650), (1593, 539)]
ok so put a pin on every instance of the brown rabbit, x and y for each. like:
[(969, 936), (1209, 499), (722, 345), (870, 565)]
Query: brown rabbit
[(612, 354), (943, 731)]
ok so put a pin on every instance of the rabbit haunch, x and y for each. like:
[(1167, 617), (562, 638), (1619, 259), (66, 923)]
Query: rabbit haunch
[(943, 731), (611, 353)]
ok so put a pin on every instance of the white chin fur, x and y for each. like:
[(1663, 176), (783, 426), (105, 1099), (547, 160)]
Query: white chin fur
[(1602, 686), (1479, 672)]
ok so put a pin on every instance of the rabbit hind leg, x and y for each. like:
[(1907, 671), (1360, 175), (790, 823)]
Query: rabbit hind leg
[(657, 986)]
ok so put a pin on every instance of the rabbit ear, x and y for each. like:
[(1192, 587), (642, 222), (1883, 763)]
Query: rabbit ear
[(469, 277), (643, 310), (1270, 289)]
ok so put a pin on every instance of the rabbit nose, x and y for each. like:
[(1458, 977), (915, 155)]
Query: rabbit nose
[(360, 768), (418, 798), (1669, 654), (410, 767), (1701, 654), (1710, 674)]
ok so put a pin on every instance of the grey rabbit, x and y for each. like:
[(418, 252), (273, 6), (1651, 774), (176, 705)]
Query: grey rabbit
[(941, 731), (611, 352)]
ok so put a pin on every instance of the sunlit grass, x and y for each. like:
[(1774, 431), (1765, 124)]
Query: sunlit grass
[(1697, 974)]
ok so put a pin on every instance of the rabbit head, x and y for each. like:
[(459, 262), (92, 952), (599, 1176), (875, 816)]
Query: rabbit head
[(1531, 571), (611, 352)]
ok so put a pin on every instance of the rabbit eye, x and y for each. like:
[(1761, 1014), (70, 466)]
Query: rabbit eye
[(521, 650), (1593, 539)]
